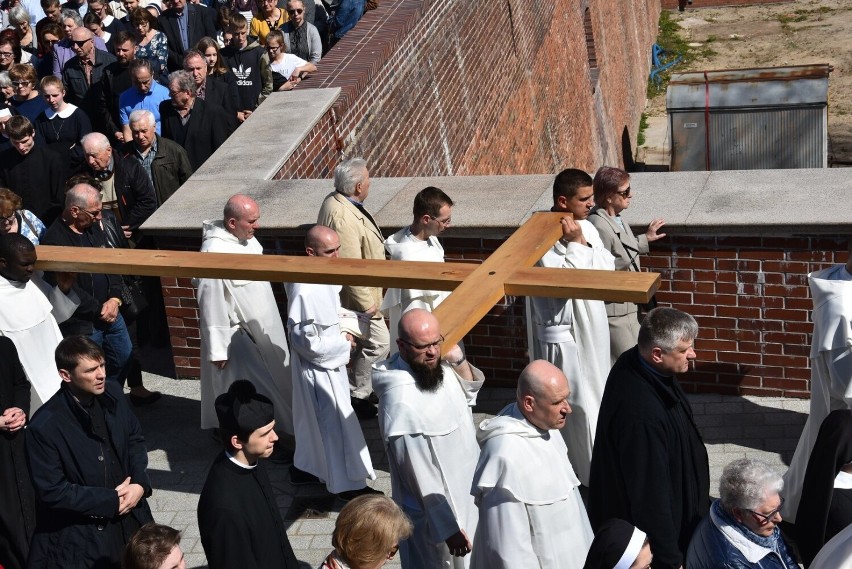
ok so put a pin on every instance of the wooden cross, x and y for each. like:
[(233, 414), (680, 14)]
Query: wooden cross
[(475, 289)]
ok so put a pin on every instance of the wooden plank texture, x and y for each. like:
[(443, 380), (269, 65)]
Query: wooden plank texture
[(612, 286), (472, 299), (273, 268)]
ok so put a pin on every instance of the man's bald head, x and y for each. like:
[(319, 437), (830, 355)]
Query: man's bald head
[(241, 216), (542, 395), (417, 322), (81, 34), (322, 241)]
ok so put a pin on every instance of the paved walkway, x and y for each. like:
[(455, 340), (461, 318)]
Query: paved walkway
[(180, 454)]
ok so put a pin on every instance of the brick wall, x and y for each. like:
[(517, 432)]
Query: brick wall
[(749, 294), (464, 88)]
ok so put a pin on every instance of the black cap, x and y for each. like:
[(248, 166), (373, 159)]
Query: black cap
[(242, 409)]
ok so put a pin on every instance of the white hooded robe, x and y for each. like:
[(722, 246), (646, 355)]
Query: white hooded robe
[(240, 323), (831, 370), (531, 515), (329, 441), (573, 335), (432, 451)]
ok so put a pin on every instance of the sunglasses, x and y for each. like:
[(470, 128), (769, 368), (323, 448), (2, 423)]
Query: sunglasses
[(296, 11), (624, 193), (21, 83), (80, 43)]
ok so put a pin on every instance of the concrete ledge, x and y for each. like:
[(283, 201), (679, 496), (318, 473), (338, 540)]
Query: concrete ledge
[(258, 149), (752, 202)]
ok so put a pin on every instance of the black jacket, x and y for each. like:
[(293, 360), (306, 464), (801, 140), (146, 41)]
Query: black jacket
[(135, 193), (116, 80), (201, 23), (222, 91), (89, 311), (239, 521), (38, 177), (87, 96), (170, 168), (649, 464), (17, 516), (207, 129), (76, 497)]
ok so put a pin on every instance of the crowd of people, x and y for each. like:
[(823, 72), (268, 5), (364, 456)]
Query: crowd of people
[(598, 462)]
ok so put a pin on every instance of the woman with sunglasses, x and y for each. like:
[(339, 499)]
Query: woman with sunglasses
[(741, 531), (612, 196), (367, 533), (26, 99)]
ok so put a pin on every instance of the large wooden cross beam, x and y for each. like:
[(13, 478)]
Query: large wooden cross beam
[(476, 289)]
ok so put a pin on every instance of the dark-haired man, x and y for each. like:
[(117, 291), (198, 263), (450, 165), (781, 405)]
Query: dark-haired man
[(89, 465), (34, 172), (573, 334), (428, 432), (433, 210), (238, 516)]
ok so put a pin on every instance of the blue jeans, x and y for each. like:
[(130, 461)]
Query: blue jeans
[(115, 341)]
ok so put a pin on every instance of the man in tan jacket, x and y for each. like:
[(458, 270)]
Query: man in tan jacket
[(360, 238)]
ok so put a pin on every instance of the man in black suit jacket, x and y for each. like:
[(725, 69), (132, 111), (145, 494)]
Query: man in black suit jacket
[(207, 126), (85, 88), (211, 89), (195, 19)]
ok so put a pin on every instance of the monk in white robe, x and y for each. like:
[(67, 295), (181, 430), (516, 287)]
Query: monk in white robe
[(837, 553), (418, 242), (30, 310), (831, 369), (530, 510), (573, 334), (329, 441), (427, 428), (242, 335)]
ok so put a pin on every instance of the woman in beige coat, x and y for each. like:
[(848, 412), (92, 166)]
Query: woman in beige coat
[(612, 196)]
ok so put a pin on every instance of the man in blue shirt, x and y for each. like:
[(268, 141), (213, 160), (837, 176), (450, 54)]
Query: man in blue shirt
[(145, 94)]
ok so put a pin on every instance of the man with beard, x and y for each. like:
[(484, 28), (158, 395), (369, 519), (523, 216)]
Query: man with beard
[(428, 431)]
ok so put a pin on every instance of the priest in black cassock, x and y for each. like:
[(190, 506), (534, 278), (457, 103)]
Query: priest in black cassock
[(17, 514), (238, 516)]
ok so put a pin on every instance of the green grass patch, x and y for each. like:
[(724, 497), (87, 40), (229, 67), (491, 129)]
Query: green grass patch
[(643, 126), (671, 37)]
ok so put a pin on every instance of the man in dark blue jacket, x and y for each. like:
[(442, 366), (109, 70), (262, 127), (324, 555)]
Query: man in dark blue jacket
[(89, 466)]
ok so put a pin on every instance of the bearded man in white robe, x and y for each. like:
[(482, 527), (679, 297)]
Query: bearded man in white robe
[(330, 445), (242, 336), (831, 368), (530, 510), (433, 210), (427, 428), (573, 334), (30, 310)]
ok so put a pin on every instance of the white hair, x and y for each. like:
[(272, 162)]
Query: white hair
[(94, 142), (143, 115), (747, 482), (349, 174)]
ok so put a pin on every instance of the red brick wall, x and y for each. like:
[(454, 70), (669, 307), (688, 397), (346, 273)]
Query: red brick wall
[(749, 294), (458, 87)]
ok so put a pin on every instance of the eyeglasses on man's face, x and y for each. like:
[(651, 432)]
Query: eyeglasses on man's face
[(444, 222), (423, 347)]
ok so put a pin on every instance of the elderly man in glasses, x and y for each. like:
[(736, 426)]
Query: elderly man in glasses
[(428, 432), (741, 529)]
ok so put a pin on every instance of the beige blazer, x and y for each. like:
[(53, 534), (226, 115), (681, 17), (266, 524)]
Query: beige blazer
[(359, 239)]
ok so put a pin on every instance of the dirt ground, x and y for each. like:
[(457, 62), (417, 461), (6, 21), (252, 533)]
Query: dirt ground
[(794, 33)]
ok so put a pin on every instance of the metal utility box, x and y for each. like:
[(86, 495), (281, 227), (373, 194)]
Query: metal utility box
[(749, 119)]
